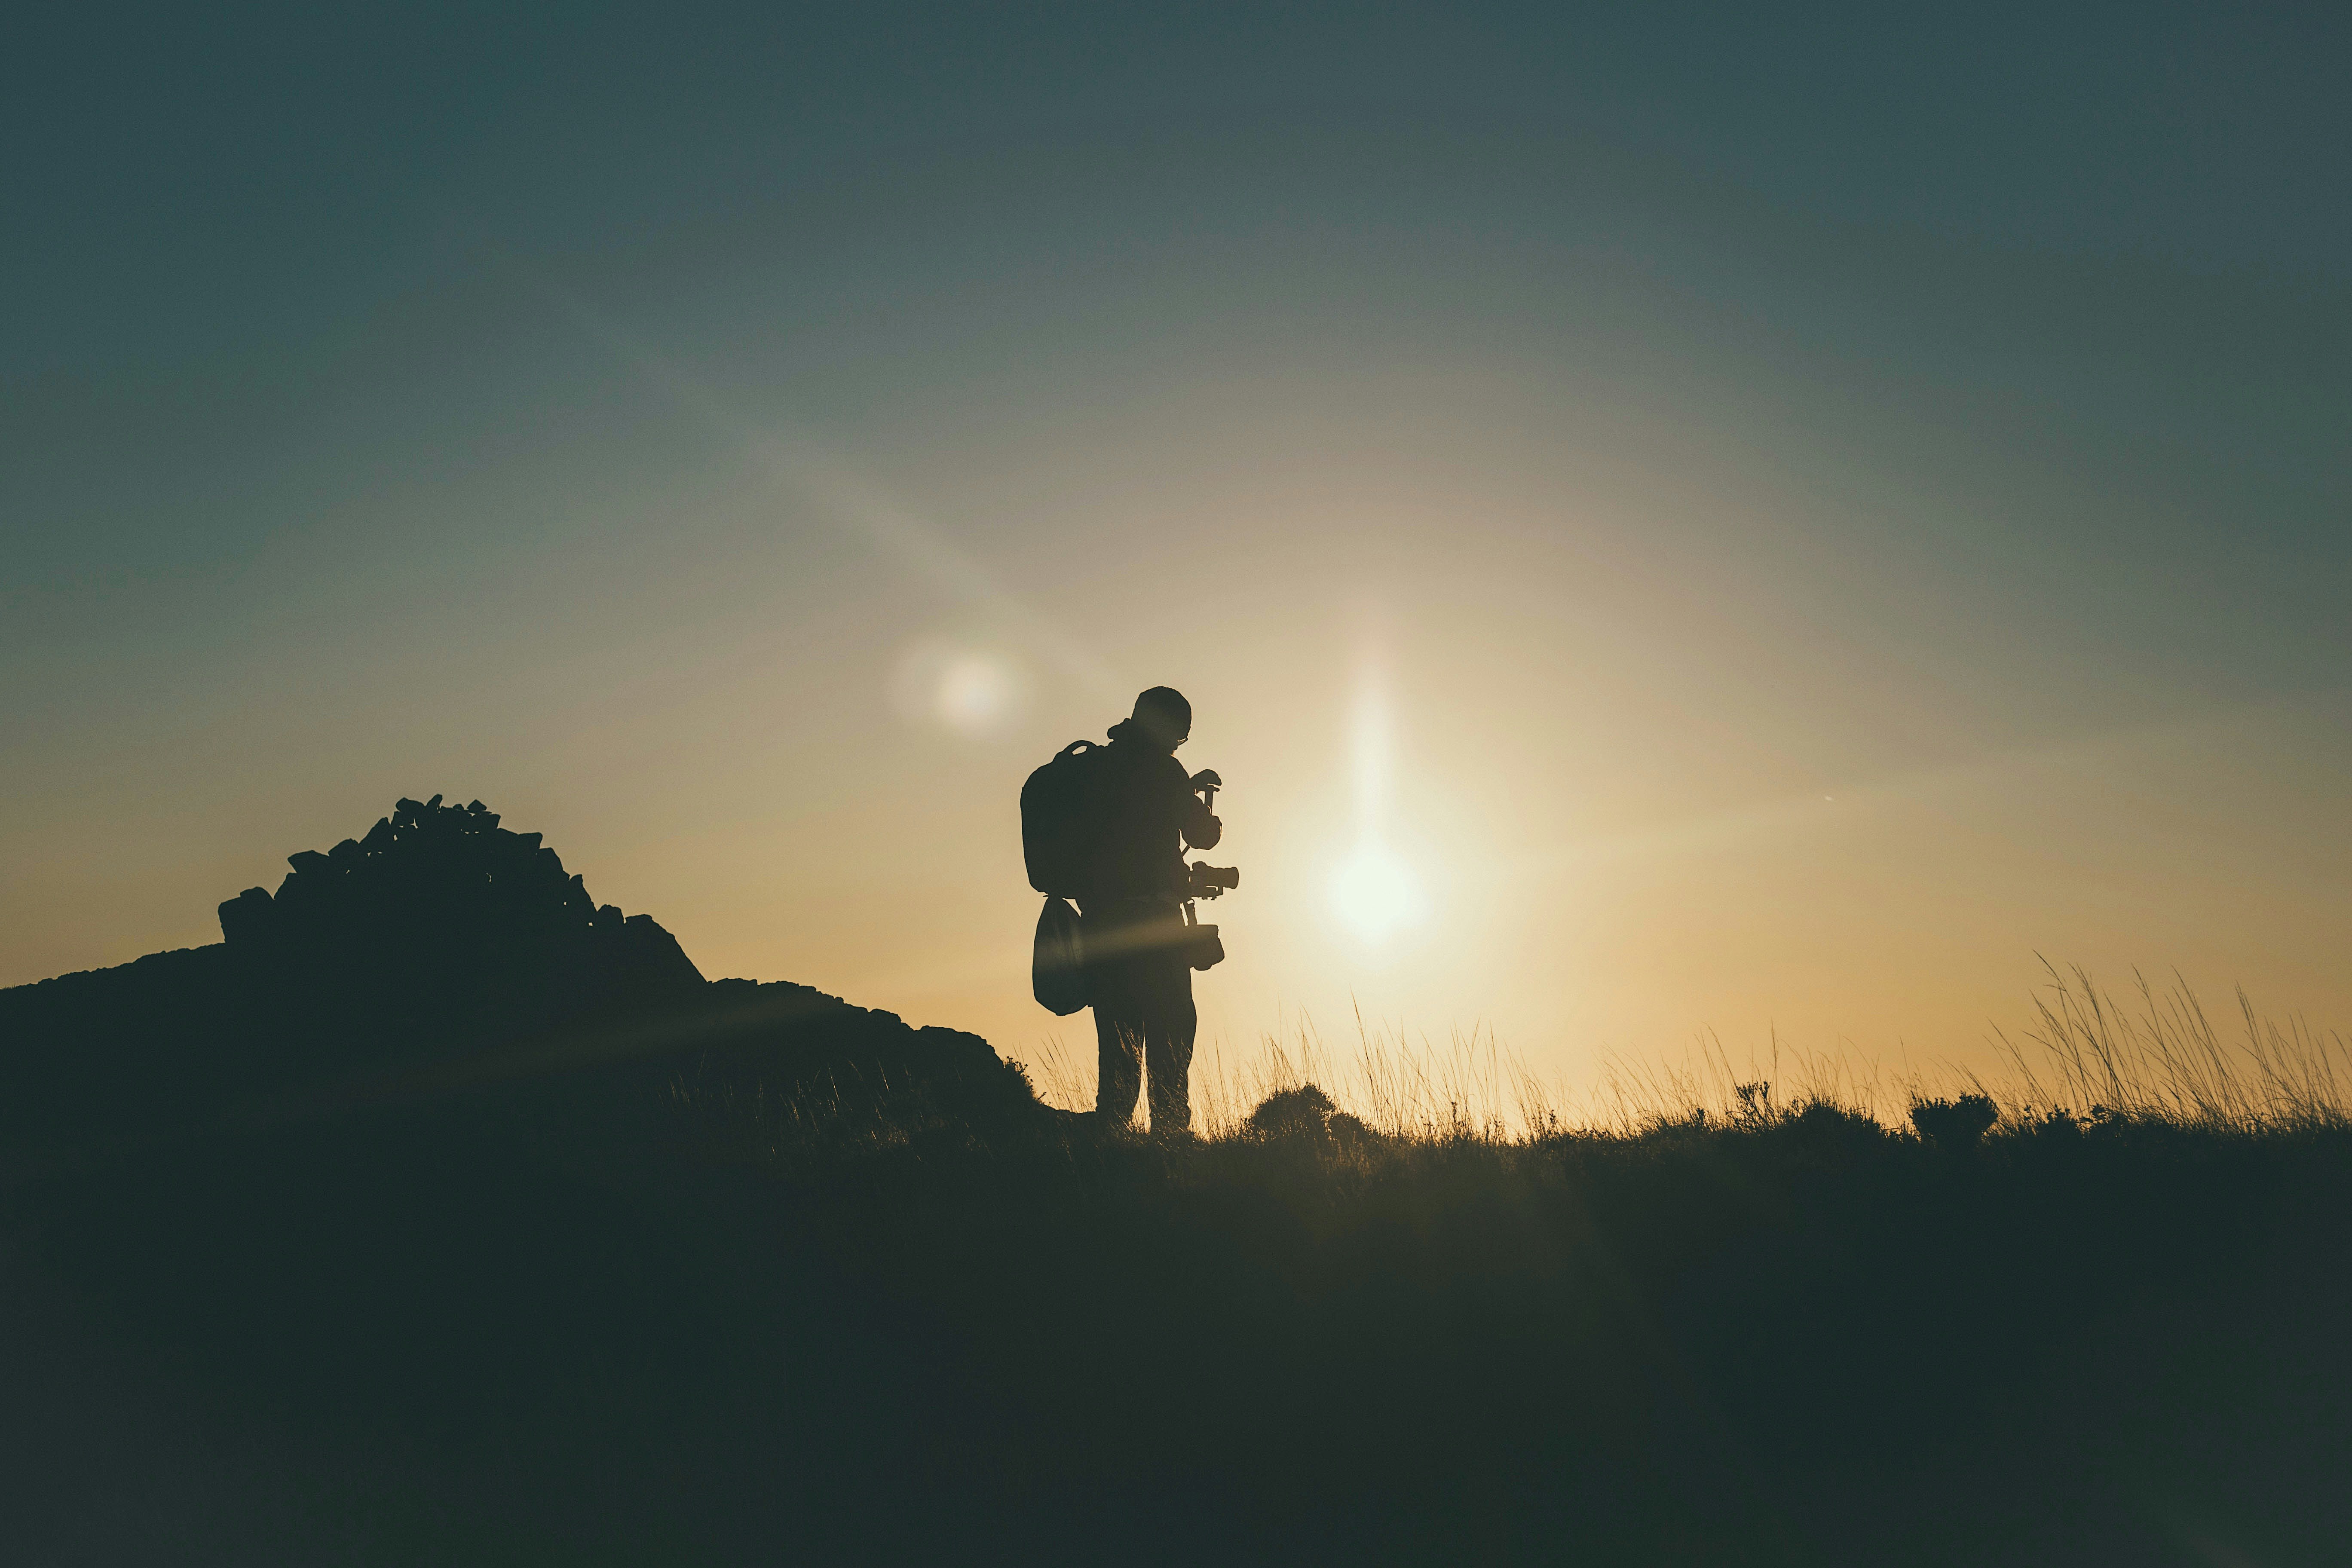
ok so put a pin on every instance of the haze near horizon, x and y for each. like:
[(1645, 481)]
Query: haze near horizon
[(1667, 524)]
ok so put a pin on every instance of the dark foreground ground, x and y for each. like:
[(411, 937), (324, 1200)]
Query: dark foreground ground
[(602, 1324)]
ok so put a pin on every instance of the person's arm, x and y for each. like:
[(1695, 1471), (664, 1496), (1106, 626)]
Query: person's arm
[(1202, 830)]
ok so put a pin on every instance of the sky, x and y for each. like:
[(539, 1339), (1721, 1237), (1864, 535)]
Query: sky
[(1673, 520)]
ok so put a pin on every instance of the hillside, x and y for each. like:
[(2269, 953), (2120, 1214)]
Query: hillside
[(626, 1265), (440, 953)]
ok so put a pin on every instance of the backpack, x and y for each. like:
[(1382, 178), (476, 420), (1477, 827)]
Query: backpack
[(1057, 964), (1060, 825)]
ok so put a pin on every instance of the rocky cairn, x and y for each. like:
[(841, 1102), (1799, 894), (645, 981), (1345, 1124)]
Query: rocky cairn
[(439, 907), (442, 949)]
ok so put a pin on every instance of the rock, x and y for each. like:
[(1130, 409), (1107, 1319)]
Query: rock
[(656, 957), (249, 919)]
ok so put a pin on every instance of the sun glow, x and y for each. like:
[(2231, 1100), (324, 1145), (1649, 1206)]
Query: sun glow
[(1375, 894)]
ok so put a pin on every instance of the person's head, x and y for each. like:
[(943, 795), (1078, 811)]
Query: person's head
[(1162, 720)]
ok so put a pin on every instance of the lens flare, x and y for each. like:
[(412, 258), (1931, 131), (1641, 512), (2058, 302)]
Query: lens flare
[(1374, 892), (975, 692), (969, 691)]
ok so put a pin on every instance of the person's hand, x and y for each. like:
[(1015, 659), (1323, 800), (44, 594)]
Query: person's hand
[(1207, 779)]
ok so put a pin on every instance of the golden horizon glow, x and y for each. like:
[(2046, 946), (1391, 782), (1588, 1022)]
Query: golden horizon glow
[(1639, 615)]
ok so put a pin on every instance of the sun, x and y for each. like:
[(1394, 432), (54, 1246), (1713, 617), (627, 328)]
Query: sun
[(1375, 894)]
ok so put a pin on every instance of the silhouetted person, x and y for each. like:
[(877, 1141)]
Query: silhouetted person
[(1132, 903)]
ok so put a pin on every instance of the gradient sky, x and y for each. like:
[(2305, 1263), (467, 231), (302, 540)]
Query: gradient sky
[(1772, 522)]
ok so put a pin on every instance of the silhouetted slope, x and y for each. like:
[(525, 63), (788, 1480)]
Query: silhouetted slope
[(538, 1336), (493, 1234), (440, 952)]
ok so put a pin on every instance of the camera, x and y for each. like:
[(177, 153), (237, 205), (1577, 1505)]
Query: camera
[(1207, 882)]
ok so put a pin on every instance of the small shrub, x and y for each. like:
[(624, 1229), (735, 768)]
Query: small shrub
[(1304, 1111), (1954, 1123), (1827, 1125)]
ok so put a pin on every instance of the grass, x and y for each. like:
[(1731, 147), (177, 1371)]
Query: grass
[(2154, 1056), (1397, 1305)]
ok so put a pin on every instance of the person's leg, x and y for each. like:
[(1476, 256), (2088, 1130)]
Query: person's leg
[(1121, 1008), (1118, 1058), (1169, 1040)]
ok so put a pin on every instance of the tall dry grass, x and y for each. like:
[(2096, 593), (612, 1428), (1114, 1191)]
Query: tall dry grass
[(2166, 1060), (2157, 1055)]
